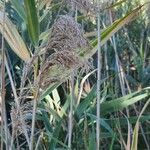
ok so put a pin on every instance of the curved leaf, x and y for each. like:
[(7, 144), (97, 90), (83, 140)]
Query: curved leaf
[(123, 102), (13, 38), (111, 30)]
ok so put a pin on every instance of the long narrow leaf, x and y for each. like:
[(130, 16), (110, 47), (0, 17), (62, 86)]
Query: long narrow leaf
[(32, 20), (111, 30), (116, 105), (136, 128), (19, 8), (13, 38)]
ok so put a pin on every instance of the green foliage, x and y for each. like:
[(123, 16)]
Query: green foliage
[(32, 21)]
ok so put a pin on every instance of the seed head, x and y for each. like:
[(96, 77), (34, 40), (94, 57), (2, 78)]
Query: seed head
[(66, 35)]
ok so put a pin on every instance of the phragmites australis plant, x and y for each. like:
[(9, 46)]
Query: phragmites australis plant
[(74, 69), (64, 44), (65, 41)]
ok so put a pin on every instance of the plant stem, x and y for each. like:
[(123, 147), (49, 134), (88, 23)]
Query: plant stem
[(70, 123), (99, 63), (3, 110), (33, 118)]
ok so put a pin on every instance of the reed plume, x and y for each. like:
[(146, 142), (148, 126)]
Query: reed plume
[(65, 41)]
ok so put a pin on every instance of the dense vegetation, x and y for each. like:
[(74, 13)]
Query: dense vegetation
[(75, 74)]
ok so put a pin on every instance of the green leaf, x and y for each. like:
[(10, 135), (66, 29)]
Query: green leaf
[(17, 4), (117, 25), (123, 102), (32, 21), (92, 141), (52, 133), (48, 90), (116, 4), (123, 121), (112, 141), (44, 35), (102, 122), (82, 107)]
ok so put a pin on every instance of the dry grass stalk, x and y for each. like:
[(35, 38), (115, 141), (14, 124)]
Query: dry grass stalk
[(0, 93), (0, 108)]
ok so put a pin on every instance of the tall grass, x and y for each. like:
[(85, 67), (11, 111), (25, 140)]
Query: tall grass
[(56, 93)]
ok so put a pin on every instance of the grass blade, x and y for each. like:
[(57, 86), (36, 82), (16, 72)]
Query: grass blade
[(111, 30), (13, 38), (119, 104), (19, 8), (32, 20)]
